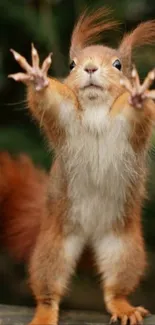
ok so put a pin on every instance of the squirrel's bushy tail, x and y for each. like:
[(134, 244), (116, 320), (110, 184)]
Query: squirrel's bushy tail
[(22, 204)]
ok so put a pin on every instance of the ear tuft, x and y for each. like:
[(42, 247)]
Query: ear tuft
[(89, 28), (143, 34)]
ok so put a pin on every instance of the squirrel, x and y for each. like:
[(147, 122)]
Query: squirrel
[(99, 120)]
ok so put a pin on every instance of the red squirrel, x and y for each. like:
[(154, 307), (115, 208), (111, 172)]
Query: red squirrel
[(99, 120)]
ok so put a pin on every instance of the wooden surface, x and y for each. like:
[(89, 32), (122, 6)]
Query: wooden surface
[(22, 315)]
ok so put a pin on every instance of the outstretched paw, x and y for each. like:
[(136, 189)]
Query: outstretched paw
[(33, 74), (139, 92)]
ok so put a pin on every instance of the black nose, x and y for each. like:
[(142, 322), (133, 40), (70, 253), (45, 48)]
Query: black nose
[(91, 70)]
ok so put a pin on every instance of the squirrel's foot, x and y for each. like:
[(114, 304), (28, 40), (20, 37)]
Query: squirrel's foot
[(45, 315), (34, 74), (127, 314), (139, 92)]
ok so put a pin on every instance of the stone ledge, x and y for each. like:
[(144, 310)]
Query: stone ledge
[(17, 315)]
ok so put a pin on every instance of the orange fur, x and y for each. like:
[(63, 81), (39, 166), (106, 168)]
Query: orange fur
[(89, 29), (141, 121), (46, 315), (51, 125), (22, 204)]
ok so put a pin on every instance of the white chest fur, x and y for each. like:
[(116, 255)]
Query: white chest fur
[(100, 164)]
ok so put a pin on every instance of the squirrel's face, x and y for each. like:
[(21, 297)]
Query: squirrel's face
[(95, 75)]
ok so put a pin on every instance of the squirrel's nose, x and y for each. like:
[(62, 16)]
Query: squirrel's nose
[(90, 68)]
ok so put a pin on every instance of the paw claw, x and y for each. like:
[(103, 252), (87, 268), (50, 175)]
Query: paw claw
[(113, 319), (35, 57), (22, 61), (11, 76), (34, 51), (135, 81), (152, 75), (46, 64), (15, 54), (133, 73)]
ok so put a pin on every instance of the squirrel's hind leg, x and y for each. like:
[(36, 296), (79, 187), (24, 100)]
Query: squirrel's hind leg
[(121, 261), (51, 266)]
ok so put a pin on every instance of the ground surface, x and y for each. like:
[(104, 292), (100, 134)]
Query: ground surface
[(21, 315)]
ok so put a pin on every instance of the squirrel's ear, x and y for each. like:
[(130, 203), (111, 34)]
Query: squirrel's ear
[(89, 29), (143, 34)]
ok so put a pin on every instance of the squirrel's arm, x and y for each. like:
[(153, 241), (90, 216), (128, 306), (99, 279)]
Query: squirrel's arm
[(137, 106), (52, 106), (50, 101)]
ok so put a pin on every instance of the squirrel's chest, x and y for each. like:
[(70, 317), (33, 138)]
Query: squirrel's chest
[(99, 160), (99, 169)]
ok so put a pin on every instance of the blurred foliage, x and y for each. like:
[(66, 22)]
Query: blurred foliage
[(49, 23)]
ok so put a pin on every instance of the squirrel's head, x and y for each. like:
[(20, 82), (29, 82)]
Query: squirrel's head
[(95, 70), (95, 74)]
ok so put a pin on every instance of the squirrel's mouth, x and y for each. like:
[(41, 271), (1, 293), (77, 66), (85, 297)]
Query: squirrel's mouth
[(92, 86)]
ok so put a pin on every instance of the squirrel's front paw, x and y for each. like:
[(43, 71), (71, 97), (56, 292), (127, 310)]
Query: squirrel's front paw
[(34, 74), (139, 92)]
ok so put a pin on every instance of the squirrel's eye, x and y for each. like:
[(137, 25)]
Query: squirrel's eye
[(117, 64), (72, 65)]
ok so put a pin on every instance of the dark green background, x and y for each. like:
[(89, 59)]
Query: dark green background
[(48, 23)]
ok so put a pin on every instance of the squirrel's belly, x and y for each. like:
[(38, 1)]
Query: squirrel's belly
[(95, 215), (98, 196), (100, 171)]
